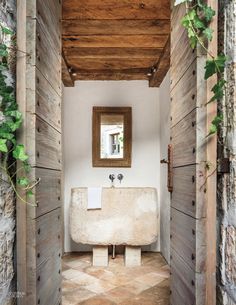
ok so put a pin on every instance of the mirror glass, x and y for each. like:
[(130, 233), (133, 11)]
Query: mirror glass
[(112, 136)]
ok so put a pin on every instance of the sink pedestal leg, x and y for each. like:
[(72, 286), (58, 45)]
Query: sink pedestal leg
[(132, 256), (100, 256)]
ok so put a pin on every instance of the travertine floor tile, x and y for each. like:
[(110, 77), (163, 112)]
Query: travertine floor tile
[(84, 284)]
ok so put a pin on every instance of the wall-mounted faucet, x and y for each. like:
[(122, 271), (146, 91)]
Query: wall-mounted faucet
[(120, 177), (112, 178)]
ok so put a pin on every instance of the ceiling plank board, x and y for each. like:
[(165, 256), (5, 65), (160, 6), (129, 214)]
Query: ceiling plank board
[(115, 27), (110, 76), (93, 53), (66, 76), (162, 67), (112, 63), (118, 41), (113, 9)]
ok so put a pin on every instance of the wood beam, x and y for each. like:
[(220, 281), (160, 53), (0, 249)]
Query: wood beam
[(108, 74), (115, 27), (119, 41), (113, 9), (127, 53), (111, 63), (66, 76), (162, 67)]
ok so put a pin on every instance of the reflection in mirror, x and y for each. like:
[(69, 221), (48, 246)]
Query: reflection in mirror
[(112, 136)]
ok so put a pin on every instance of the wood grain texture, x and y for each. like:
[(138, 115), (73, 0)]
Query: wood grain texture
[(188, 190), (112, 63), (118, 41), (184, 141), (66, 75), (48, 15), (108, 53), (40, 102), (181, 60), (46, 198), (48, 146), (45, 259), (115, 27), (188, 239), (111, 9), (184, 95), (162, 67), (111, 75), (101, 35), (187, 287), (43, 100)]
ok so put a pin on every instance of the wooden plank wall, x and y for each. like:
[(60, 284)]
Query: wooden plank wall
[(189, 198), (42, 133)]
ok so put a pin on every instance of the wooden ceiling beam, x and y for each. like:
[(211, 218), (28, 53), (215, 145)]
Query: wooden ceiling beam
[(66, 76), (110, 75), (118, 41), (98, 53), (113, 9), (112, 63), (115, 27), (161, 68)]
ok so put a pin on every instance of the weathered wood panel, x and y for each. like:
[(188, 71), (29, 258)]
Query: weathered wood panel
[(44, 144), (111, 75), (118, 41), (188, 190), (38, 45), (43, 100), (188, 239), (110, 9), (107, 53), (180, 60), (48, 15), (44, 254), (187, 287), (184, 141), (42, 133), (115, 27), (184, 95), (191, 265), (112, 63), (46, 198)]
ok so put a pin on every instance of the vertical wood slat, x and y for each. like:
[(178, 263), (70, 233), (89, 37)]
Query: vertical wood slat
[(42, 109)]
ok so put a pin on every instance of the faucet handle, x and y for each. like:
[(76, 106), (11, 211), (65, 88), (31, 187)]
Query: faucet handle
[(120, 177), (112, 177)]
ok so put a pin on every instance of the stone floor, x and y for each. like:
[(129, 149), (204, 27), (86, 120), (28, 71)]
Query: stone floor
[(116, 284)]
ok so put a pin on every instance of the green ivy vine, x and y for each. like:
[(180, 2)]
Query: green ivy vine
[(11, 152), (197, 22)]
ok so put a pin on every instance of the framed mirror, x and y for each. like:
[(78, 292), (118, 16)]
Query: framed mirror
[(112, 136)]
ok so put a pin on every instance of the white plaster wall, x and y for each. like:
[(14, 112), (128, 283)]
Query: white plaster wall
[(77, 133), (164, 96)]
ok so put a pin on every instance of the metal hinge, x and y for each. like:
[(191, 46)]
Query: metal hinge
[(223, 166)]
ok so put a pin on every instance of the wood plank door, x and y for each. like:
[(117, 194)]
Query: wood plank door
[(193, 199), (39, 228)]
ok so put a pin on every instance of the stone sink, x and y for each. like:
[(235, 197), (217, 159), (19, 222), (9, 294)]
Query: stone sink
[(129, 216)]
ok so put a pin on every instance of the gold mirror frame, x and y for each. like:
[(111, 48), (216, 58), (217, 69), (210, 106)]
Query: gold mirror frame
[(96, 145)]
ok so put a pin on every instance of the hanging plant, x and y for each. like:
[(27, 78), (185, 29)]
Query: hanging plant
[(197, 21), (11, 152)]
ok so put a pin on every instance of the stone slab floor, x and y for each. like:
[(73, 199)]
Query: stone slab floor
[(116, 284)]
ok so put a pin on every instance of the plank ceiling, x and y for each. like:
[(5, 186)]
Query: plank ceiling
[(115, 40)]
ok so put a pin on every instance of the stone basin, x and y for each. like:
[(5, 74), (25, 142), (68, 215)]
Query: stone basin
[(129, 216)]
